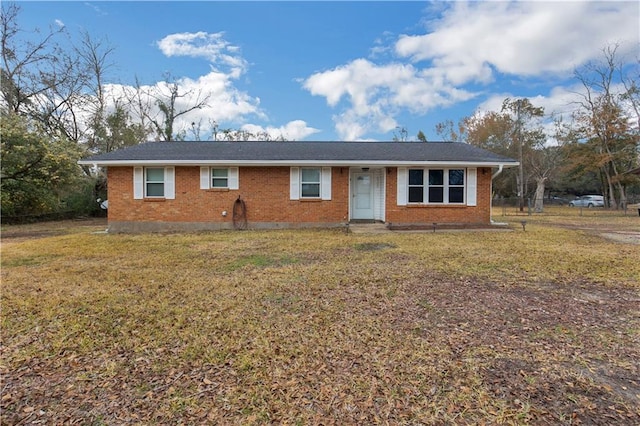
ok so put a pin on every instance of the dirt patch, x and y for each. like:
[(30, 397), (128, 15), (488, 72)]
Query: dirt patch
[(17, 233), (548, 348), (621, 233), (623, 237), (373, 246)]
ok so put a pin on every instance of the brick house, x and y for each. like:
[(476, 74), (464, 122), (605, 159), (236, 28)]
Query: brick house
[(159, 186)]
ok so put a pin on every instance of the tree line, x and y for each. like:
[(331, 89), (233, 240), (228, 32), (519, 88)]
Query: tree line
[(58, 106), (588, 151)]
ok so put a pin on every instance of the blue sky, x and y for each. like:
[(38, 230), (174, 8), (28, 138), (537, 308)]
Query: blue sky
[(350, 70)]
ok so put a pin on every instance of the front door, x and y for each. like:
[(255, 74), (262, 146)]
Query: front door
[(361, 196)]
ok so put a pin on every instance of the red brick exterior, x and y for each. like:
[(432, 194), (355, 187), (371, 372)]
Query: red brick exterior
[(265, 191), (442, 214)]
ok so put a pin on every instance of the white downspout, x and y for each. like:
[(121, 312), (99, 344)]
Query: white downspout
[(493, 176), (500, 167)]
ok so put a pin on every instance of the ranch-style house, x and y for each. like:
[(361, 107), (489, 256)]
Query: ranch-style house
[(164, 186)]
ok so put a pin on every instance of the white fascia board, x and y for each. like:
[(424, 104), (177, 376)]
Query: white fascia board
[(289, 163)]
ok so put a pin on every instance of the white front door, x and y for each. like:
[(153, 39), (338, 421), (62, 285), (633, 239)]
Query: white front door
[(361, 195)]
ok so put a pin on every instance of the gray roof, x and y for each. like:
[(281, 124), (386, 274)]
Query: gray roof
[(300, 153)]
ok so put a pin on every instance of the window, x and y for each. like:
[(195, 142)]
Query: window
[(436, 186), (310, 183), (456, 186), (219, 178), (444, 186), (154, 182), (416, 186)]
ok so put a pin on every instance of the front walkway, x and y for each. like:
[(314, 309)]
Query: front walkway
[(369, 228), (381, 228)]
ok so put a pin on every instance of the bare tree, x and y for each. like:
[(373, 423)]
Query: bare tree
[(543, 162), (447, 131), (140, 105), (167, 97), (95, 57), (239, 135), (401, 135), (41, 80), (23, 62), (605, 124)]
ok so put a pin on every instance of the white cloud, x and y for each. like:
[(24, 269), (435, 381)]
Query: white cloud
[(212, 47), (561, 100), (292, 131), (376, 93), (520, 38), (464, 51), (224, 102)]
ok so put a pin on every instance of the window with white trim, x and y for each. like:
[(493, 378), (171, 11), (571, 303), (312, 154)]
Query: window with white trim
[(441, 186), (310, 182), (219, 178), (154, 182)]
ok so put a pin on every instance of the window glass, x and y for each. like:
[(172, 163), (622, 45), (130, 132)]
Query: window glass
[(219, 178), (456, 194), (311, 190), (416, 177), (311, 175), (436, 194), (310, 183), (436, 177), (154, 184), (416, 194), (155, 175), (155, 189), (456, 177)]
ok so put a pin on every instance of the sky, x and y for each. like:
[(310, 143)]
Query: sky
[(349, 70)]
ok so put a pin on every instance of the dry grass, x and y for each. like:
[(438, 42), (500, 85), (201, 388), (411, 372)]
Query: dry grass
[(321, 327)]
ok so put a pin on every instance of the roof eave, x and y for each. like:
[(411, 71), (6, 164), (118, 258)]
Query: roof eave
[(289, 163)]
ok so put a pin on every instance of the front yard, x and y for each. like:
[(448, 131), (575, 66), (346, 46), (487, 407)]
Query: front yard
[(321, 327)]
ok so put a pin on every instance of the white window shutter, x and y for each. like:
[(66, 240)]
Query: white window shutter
[(205, 178), (295, 183), (472, 186), (170, 183), (233, 177), (403, 175), (325, 184), (138, 183)]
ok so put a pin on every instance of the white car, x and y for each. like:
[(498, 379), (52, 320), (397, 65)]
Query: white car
[(588, 201)]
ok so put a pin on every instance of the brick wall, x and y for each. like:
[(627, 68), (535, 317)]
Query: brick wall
[(265, 191), (410, 215)]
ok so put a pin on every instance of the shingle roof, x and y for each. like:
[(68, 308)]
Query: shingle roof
[(292, 153)]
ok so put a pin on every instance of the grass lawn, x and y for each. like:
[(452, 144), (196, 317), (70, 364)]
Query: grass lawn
[(322, 327)]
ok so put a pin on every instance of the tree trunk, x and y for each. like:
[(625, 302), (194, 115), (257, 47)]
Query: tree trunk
[(520, 193), (539, 200), (623, 195), (612, 196)]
